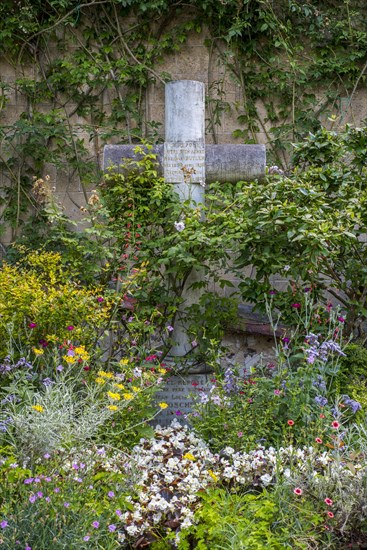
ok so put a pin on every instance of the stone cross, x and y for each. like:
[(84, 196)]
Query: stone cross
[(187, 163)]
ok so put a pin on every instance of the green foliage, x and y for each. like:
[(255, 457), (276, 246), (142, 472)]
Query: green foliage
[(307, 226), (228, 520)]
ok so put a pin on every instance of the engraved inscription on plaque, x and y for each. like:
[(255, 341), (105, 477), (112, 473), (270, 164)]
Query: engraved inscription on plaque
[(176, 393), (184, 162)]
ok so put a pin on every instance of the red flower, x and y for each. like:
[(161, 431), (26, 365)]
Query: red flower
[(318, 440), (297, 491), (322, 415), (335, 424), (290, 422), (330, 514), (328, 501)]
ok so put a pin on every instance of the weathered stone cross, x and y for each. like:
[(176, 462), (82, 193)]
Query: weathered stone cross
[(185, 161)]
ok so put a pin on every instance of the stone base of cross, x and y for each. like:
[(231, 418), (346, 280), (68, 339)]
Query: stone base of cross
[(186, 162)]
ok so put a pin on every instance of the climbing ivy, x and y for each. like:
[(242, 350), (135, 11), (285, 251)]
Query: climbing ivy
[(297, 63)]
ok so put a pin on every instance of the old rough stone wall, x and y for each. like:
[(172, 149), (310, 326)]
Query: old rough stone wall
[(194, 61)]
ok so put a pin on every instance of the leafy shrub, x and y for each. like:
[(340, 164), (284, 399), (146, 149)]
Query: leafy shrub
[(38, 304)]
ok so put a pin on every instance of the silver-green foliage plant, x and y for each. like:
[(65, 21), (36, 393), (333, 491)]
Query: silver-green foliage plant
[(62, 416)]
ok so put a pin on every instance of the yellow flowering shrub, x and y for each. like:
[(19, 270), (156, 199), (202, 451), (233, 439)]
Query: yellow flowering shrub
[(38, 298)]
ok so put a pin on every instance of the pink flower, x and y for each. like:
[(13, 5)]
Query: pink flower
[(318, 440), (32, 325), (297, 491), (330, 514), (239, 434), (296, 306), (100, 299), (276, 392), (328, 501), (290, 422), (70, 327), (335, 424)]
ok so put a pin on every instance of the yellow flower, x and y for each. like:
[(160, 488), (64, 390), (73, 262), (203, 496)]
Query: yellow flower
[(135, 389), (212, 475), (100, 381), (38, 408), (189, 456), (162, 371), (124, 362), (38, 351), (163, 405), (113, 407), (119, 386), (114, 396), (127, 396), (105, 374), (69, 358)]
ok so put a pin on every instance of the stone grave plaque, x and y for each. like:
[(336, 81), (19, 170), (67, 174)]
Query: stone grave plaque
[(176, 393), (184, 162)]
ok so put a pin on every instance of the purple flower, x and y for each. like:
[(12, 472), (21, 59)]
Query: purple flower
[(112, 528), (40, 494), (111, 494), (75, 466), (169, 328), (101, 451), (70, 327), (66, 504), (32, 499), (27, 547), (4, 524), (178, 413), (321, 401), (296, 306), (48, 382), (57, 490), (47, 455), (47, 499), (118, 513), (95, 524), (272, 292), (32, 325), (341, 319), (86, 538), (100, 299), (59, 368), (276, 392), (48, 479), (351, 403), (28, 481)]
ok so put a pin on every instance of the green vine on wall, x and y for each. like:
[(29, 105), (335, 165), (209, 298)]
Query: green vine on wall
[(296, 61)]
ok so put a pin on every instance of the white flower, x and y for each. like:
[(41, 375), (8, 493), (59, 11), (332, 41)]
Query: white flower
[(266, 479), (180, 226)]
